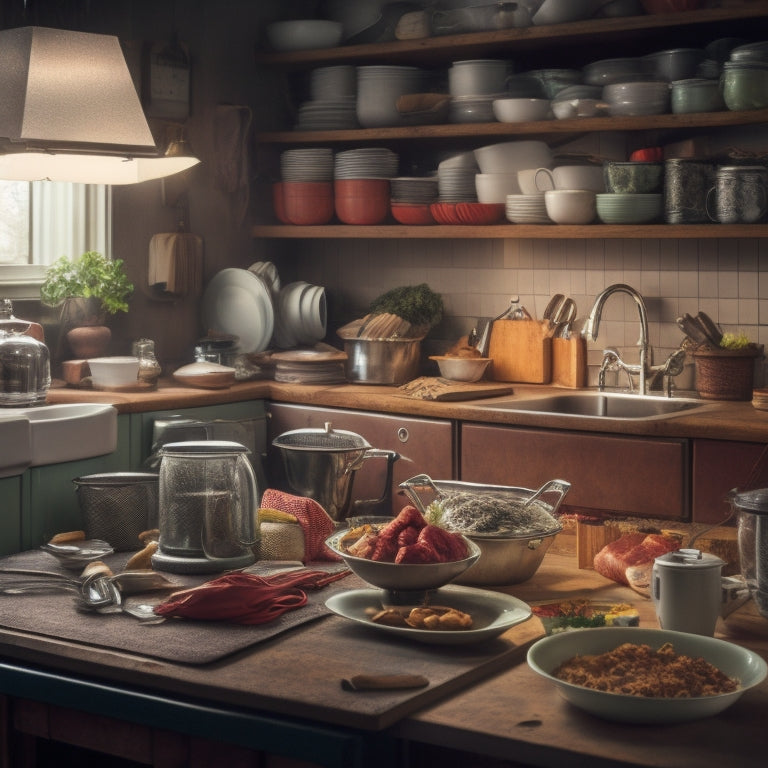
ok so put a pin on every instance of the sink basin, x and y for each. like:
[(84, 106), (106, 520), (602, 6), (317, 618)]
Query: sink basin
[(601, 404), (15, 444), (70, 431)]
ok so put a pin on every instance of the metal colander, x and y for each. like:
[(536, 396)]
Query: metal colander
[(118, 506)]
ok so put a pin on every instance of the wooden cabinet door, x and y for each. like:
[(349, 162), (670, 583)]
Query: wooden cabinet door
[(718, 466), (608, 473), (425, 445)]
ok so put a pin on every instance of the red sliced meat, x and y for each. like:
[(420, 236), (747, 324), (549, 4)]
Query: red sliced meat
[(632, 549)]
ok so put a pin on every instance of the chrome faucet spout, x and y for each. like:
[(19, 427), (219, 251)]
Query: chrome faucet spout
[(592, 326)]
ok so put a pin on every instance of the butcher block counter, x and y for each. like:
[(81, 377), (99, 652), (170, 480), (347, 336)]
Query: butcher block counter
[(714, 419), (285, 695)]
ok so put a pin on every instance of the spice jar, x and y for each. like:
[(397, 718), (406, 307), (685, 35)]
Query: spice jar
[(149, 368)]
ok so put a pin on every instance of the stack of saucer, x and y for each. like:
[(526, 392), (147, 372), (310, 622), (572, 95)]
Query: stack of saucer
[(413, 189), (526, 209)]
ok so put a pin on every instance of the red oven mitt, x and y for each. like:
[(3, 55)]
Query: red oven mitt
[(313, 519), (244, 598)]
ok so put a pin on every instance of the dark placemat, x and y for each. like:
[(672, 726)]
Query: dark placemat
[(55, 614)]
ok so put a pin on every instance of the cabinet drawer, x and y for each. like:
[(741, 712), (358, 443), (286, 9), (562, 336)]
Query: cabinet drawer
[(608, 473)]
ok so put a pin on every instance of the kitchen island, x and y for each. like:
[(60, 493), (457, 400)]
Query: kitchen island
[(283, 698)]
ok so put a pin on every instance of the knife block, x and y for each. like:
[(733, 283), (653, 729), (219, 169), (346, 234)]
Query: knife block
[(520, 351), (569, 362)]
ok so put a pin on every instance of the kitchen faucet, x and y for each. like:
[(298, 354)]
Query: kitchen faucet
[(612, 360)]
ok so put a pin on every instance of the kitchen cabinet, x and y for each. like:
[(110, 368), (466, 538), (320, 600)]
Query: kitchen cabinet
[(561, 45), (609, 474), (719, 466), (10, 514), (425, 445)]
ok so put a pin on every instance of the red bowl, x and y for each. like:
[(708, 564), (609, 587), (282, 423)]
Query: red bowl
[(480, 213), (412, 213), (278, 203), (308, 202), (362, 201), (445, 213)]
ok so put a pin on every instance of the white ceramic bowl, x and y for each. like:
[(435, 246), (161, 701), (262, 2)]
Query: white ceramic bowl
[(512, 156), (478, 77), (547, 654), (570, 206), (114, 371), (494, 187), (562, 11), (521, 110), (637, 98), (304, 34), (461, 368)]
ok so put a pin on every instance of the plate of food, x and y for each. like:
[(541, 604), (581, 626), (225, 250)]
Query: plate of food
[(646, 675), (453, 615)]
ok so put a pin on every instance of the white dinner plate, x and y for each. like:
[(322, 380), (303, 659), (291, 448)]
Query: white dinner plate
[(238, 302), (492, 613)]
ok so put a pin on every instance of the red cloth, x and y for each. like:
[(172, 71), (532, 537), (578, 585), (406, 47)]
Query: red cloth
[(244, 598), (313, 519)]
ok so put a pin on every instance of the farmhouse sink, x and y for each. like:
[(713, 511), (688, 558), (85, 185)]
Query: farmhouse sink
[(15, 443), (600, 404), (70, 431)]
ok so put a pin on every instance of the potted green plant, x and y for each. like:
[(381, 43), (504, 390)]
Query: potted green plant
[(87, 289)]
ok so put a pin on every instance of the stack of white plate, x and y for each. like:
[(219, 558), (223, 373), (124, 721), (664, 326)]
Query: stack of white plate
[(238, 302), (333, 83), (327, 115), (526, 209), (300, 315), (378, 89), (311, 164), (366, 163), (408, 189), (456, 185)]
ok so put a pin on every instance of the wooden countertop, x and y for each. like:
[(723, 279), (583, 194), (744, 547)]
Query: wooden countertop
[(714, 419), (508, 712)]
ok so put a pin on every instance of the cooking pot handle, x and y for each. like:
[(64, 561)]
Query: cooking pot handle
[(391, 457)]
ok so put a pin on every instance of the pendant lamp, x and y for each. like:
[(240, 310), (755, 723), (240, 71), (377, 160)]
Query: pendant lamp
[(70, 112)]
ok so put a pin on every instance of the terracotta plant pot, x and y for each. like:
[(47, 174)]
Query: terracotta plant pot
[(723, 374), (89, 341)]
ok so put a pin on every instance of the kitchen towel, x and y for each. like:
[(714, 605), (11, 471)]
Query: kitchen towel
[(314, 520)]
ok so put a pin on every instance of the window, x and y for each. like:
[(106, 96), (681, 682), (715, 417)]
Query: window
[(41, 221)]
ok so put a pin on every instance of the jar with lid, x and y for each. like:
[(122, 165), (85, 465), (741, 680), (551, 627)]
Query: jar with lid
[(25, 369), (752, 509), (149, 368)]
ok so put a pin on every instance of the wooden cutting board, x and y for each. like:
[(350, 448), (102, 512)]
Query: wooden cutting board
[(438, 388), (521, 351)]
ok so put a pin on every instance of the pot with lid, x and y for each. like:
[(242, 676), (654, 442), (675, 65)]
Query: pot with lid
[(321, 464)]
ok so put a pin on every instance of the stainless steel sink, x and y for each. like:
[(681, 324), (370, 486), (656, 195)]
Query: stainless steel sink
[(600, 404)]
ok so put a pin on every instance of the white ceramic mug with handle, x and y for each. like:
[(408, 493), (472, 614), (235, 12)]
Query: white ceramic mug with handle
[(687, 591)]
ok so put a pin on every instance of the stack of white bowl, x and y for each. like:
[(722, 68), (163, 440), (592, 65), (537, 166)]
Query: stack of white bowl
[(473, 86), (333, 99), (378, 89), (456, 179), (300, 315), (499, 164)]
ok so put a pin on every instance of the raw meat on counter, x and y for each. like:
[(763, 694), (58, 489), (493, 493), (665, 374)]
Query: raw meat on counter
[(629, 559)]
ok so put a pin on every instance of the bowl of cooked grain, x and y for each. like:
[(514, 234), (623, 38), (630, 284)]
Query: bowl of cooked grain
[(637, 675)]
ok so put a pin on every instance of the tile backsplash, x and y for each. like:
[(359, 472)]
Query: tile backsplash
[(728, 279)]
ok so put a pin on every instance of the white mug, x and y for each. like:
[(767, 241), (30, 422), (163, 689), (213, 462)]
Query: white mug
[(570, 177), (687, 591)]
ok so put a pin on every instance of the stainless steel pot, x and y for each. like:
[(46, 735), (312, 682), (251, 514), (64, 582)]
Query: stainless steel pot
[(505, 557), (382, 361), (321, 464)]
